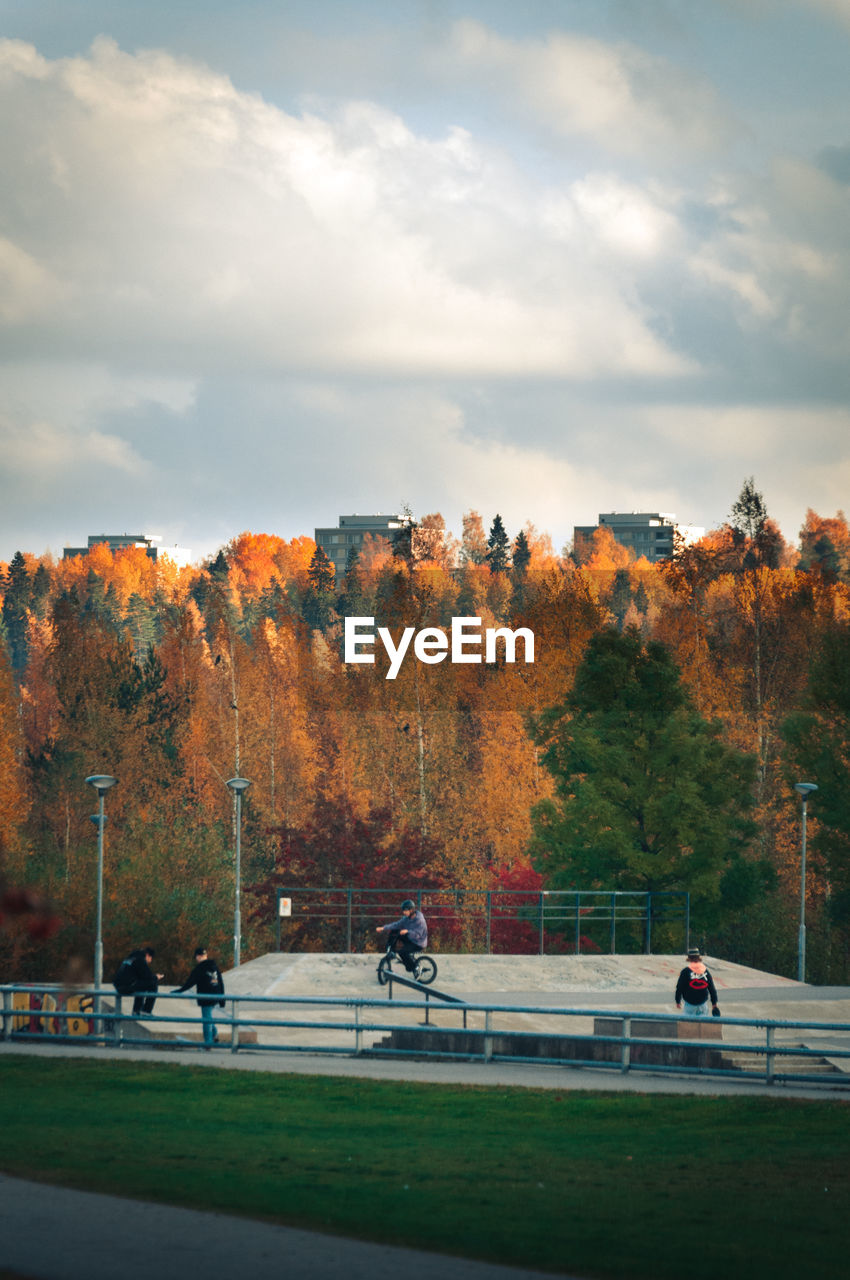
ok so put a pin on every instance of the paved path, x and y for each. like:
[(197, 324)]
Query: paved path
[(496, 1074), (52, 1233)]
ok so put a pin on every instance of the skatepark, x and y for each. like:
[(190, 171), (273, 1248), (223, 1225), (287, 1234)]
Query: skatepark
[(329, 1011)]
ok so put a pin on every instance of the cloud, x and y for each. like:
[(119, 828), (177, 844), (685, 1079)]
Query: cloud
[(838, 9), (217, 314), (439, 459), (76, 440), (618, 95), (781, 252), (798, 454), (42, 450), (164, 218), (27, 290)]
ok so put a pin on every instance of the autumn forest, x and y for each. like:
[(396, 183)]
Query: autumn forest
[(653, 744)]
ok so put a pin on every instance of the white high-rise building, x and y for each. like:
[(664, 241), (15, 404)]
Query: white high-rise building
[(179, 556)]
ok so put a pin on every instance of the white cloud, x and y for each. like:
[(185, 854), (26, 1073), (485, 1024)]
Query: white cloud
[(173, 221), (798, 453), (619, 95), (435, 460), (609, 215), (27, 290), (782, 249), (40, 451), (74, 395)]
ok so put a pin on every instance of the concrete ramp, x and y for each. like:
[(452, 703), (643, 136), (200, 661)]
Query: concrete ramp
[(327, 974), (629, 984)]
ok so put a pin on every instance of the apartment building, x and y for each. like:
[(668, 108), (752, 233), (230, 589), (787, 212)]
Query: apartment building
[(179, 556), (337, 543), (647, 533)]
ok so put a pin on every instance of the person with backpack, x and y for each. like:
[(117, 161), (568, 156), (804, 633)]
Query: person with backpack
[(135, 977), (696, 987), (207, 980)]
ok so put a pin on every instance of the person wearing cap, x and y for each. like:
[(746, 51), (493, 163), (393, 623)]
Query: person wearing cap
[(411, 932), (696, 987), (207, 980)]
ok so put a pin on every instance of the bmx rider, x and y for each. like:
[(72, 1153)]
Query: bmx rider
[(411, 933)]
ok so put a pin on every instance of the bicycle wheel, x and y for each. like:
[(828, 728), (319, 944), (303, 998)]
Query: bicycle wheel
[(426, 970), (384, 970)]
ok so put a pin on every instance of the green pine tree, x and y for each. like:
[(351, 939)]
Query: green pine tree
[(818, 739), (498, 547), (16, 603), (648, 796)]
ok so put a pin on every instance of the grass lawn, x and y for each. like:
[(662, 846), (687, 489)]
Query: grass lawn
[(619, 1184)]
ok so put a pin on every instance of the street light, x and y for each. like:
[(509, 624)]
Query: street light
[(101, 783), (237, 786), (804, 789)]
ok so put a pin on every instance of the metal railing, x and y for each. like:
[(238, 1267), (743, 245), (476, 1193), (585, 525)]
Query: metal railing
[(350, 1026), (571, 920)]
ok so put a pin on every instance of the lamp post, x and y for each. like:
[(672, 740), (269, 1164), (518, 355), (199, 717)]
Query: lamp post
[(804, 789), (237, 786), (101, 783)]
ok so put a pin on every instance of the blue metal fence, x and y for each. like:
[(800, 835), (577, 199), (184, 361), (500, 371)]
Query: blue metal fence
[(769, 1051), (553, 920)]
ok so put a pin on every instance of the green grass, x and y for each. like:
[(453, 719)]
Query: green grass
[(621, 1184)]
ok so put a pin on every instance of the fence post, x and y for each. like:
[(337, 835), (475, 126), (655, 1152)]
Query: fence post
[(687, 921), (234, 1030), (578, 926), (626, 1048), (768, 1057), (540, 910), (348, 922), (488, 1038), (613, 924), (277, 896), (358, 1032), (7, 1011), (647, 933), (489, 905)]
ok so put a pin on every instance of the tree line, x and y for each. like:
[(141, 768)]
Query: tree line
[(653, 744)]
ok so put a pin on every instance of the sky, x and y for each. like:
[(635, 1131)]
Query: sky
[(266, 263)]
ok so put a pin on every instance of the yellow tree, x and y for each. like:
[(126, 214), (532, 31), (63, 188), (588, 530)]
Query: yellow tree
[(14, 800)]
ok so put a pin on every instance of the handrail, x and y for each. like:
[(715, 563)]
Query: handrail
[(108, 1025), (426, 991), (420, 986)]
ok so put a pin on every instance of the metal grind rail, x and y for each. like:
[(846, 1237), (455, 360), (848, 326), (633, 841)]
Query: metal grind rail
[(428, 992), (45, 1018)]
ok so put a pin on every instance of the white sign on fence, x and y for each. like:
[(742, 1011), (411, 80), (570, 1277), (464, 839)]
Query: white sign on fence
[(285, 907)]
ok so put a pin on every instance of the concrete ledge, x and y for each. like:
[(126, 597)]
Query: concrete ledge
[(662, 1028), (562, 1048)]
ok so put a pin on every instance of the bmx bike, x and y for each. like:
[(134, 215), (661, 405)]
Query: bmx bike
[(424, 966)]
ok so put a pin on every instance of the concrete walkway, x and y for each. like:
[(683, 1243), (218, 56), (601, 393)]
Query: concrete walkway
[(495, 1074), (51, 1233)]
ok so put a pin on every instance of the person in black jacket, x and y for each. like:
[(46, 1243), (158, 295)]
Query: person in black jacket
[(696, 987), (207, 980), (135, 977)]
